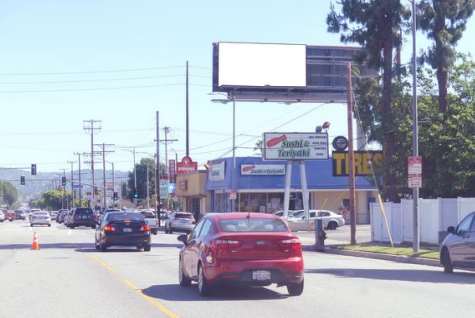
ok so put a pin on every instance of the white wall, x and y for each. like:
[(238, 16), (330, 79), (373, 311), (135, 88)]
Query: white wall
[(434, 215)]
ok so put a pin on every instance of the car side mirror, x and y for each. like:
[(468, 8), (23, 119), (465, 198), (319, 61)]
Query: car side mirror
[(451, 230), (183, 238)]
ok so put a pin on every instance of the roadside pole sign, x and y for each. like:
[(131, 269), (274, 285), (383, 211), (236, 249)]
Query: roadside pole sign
[(414, 172), (295, 146), (186, 165)]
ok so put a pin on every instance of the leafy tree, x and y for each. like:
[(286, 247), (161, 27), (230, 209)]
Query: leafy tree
[(376, 26), (444, 22), (146, 164), (446, 143), (53, 200), (8, 193)]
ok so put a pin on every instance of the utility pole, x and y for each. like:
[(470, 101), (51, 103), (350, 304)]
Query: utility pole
[(187, 115), (92, 126), (415, 133), (104, 193), (135, 174), (72, 182), (113, 183), (351, 177), (79, 177), (157, 168), (147, 185), (166, 141), (63, 186)]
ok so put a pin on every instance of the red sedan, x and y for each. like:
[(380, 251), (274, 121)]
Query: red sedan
[(245, 248)]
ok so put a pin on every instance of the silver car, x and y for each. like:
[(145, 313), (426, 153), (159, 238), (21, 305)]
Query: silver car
[(330, 219), (180, 221), (2, 216), (458, 248), (40, 218)]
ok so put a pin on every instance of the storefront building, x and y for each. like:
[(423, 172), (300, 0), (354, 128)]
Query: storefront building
[(191, 192), (258, 186)]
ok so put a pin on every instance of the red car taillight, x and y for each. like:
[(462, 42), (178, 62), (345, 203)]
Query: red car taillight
[(292, 246), (145, 228), (222, 248), (109, 228)]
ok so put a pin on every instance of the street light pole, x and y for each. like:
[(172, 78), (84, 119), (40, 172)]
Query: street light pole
[(415, 132), (233, 188)]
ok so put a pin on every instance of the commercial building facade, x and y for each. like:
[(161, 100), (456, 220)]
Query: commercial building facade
[(191, 192), (258, 186)]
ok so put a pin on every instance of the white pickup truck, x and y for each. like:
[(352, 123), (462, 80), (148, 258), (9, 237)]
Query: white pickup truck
[(151, 220)]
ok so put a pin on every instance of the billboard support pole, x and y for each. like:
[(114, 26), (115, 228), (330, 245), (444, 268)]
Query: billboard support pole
[(303, 180), (351, 158), (288, 178)]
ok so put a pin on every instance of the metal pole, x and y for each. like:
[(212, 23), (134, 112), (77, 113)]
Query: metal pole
[(93, 205), (113, 183), (148, 192), (79, 178), (303, 180), (157, 167), (72, 181), (415, 132), (288, 179), (234, 154), (64, 189), (187, 116), (351, 176), (104, 194), (135, 177)]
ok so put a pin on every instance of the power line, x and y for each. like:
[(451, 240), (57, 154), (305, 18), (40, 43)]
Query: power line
[(59, 90), (100, 80), (94, 71)]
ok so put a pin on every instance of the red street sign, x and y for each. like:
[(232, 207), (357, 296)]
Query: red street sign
[(186, 166), (172, 169), (414, 171)]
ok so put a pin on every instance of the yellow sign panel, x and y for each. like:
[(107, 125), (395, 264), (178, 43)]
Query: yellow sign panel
[(341, 163)]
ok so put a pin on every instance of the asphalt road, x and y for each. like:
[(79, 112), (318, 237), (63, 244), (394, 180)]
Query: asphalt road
[(68, 278)]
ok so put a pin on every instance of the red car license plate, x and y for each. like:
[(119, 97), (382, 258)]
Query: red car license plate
[(261, 275)]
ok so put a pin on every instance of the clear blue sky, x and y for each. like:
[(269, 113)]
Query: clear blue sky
[(42, 114)]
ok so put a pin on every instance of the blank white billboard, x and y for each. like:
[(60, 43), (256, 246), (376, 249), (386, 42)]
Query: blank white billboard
[(258, 64)]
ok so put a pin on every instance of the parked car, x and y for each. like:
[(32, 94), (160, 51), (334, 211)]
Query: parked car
[(53, 214), (123, 229), (2, 216), (244, 248), (151, 220), (290, 213), (458, 248), (331, 220), (40, 218), (179, 221), (81, 217), (11, 215), (20, 214), (60, 215)]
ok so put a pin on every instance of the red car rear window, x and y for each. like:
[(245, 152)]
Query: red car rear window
[(253, 225)]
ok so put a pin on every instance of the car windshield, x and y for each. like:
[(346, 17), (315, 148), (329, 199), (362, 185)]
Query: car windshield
[(123, 216), (253, 225), (183, 216), (147, 214)]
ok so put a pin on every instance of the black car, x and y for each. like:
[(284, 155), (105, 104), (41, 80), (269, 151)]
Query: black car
[(82, 217), (123, 229)]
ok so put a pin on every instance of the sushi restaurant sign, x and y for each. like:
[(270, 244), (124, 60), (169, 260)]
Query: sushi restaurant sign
[(295, 146)]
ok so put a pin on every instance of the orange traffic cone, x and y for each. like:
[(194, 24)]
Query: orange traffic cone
[(36, 243)]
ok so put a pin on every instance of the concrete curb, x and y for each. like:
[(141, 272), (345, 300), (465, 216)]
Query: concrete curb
[(386, 257)]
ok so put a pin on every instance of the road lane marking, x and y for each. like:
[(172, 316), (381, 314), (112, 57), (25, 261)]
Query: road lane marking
[(154, 302)]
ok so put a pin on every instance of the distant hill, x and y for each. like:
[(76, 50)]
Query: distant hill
[(44, 181)]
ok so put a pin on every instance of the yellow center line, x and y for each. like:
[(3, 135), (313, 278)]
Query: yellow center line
[(154, 302)]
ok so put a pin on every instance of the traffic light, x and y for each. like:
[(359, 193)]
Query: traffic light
[(136, 195), (33, 169), (116, 195), (63, 181), (22, 180)]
